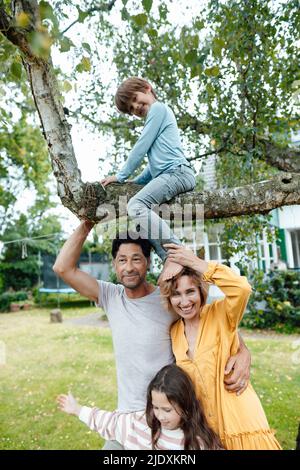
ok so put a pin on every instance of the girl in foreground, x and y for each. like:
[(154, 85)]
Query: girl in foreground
[(173, 418), (203, 339)]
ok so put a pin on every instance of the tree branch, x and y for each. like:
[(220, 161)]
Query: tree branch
[(213, 152), (107, 7), (186, 121), (258, 198), (284, 159), (112, 124)]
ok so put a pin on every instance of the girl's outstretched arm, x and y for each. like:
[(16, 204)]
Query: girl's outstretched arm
[(111, 425), (69, 404)]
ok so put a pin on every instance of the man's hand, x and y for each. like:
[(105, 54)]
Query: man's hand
[(237, 371), (68, 404), (86, 226), (109, 179)]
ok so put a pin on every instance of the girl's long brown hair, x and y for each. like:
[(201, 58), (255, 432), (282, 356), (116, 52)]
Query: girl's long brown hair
[(178, 387)]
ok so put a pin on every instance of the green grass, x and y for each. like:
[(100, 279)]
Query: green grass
[(44, 360), (276, 378)]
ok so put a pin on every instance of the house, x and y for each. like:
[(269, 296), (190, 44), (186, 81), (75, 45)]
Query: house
[(283, 253)]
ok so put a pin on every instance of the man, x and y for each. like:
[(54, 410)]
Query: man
[(139, 323)]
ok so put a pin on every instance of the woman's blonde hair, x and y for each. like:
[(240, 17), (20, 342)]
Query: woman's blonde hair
[(167, 288), (126, 91)]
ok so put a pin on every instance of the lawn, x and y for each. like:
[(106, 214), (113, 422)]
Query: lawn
[(43, 360)]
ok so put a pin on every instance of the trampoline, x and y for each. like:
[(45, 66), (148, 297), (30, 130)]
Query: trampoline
[(93, 263), (66, 290)]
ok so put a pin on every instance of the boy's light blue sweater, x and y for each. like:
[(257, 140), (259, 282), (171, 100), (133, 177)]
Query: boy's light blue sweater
[(160, 141)]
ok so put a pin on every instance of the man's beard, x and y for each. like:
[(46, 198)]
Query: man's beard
[(137, 283)]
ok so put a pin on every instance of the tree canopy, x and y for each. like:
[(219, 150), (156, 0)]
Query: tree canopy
[(230, 74)]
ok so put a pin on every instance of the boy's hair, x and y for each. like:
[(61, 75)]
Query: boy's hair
[(126, 91), (178, 387), (130, 237)]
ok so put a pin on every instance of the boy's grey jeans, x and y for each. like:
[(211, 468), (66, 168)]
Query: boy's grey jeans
[(158, 191)]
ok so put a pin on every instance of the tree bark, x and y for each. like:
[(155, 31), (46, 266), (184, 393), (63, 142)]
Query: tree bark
[(258, 198), (88, 200)]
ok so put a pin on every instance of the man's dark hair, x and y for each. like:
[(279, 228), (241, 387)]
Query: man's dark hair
[(127, 238)]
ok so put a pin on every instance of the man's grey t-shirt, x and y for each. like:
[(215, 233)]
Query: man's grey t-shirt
[(141, 339)]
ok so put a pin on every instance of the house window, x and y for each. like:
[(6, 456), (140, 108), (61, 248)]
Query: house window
[(213, 245), (266, 253)]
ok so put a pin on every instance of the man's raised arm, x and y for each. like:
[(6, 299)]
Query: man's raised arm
[(65, 264)]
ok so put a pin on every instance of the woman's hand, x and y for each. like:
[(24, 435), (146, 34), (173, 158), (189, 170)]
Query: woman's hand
[(185, 257), (108, 180), (68, 404)]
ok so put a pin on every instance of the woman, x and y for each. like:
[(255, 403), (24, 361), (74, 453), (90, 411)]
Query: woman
[(203, 339)]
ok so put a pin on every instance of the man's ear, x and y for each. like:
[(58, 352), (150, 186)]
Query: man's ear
[(148, 262)]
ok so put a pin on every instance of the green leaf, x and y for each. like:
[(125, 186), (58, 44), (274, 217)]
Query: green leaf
[(22, 20), (195, 71), (40, 43), (199, 24), (67, 86), (218, 45), (152, 33), (46, 11), (66, 44), (84, 65), (140, 20), (124, 14), (86, 46), (212, 71), (195, 41), (147, 4), (163, 11), (82, 15), (191, 57), (16, 70), (210, 89), (220, 42), (6, 52)]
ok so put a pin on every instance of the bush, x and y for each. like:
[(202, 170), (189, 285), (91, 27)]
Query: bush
[(151, 278), (9, 297), (2, 283), (20, 274), (275, 301)]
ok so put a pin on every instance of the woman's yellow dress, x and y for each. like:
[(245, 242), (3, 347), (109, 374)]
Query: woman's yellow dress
[(240, 421)]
